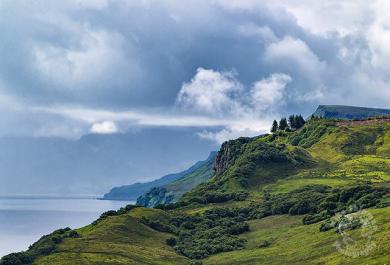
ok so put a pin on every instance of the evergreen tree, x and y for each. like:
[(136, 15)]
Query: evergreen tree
[(274, 126), (283, 124), (292, 121), (297, 122), (301, 121)]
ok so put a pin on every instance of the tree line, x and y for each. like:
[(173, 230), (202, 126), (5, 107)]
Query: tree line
[(293, 122)]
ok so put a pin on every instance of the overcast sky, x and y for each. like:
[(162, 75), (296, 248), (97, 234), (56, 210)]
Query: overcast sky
[(68, 68)]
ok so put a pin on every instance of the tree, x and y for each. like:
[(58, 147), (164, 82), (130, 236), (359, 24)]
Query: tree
[(274, 126), (292, 121), (171, 241), (301, 121), (297, 122), (283, 124)]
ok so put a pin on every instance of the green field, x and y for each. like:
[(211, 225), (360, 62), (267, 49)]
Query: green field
[(117, 240), (294, 243)]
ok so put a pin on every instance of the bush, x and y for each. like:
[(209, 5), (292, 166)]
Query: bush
[(171, 241), (121, 211), (319, 202), (108, 213), (199, 236), (315, 218), (328, 225), (44, 246), (158, 225), (264, 244), (74, 234), (21, 258)]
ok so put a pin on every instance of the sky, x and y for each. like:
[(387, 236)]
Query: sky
[(223, 68)]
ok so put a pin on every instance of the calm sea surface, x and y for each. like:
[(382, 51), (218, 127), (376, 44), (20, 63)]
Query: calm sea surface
[(24, 219)]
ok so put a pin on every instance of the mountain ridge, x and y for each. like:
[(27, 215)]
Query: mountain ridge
[(134, 191), (171, 192)]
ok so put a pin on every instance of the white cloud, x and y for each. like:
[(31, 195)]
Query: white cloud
[(296, 51), (94, 4), (318, 17), (217, 98), (268, 93), (97, 55), (262, 33), (220, 94), (251, 126), (331, 16), (105, 127), (314, 94), (211, 92), (378, 37)]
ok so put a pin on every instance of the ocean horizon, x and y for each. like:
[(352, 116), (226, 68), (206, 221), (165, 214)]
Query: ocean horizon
[(26, 218)]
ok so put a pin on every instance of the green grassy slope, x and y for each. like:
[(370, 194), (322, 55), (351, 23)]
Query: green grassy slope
[(117, 240), (189, 181), (254, 209), (291, 242)]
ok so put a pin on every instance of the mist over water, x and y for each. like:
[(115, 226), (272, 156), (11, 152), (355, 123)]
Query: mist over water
[(23, 220)]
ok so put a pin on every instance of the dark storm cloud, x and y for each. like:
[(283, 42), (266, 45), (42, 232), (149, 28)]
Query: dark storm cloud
[(127, 54), (121, 55)]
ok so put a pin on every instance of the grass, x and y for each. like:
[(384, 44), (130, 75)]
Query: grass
[(294, 243), (287, 185), (365, 167), (117, 240)]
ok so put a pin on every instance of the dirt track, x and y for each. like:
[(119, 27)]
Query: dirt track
[(362, 122)]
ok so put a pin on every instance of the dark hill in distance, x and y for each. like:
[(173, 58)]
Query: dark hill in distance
[(172, 192), (133, 191), (348, 112)]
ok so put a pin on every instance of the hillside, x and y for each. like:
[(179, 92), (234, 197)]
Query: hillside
[(317, 195), (132, 192), (173, 191), (348, 112)]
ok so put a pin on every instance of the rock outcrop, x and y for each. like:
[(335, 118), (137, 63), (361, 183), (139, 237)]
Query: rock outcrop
[(228, 153)]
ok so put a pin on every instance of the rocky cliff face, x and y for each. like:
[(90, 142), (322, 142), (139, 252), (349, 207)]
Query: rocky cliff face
[(156, 196), (228, 153)]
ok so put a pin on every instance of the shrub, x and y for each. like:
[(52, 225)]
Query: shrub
[(315, 218), (171, 241), (74, 234), (264, 244), (158, 225), (21, 258), (212, 232), (44, 246), (328, 225)]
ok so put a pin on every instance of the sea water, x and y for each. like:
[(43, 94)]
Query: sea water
[(24, 219)]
